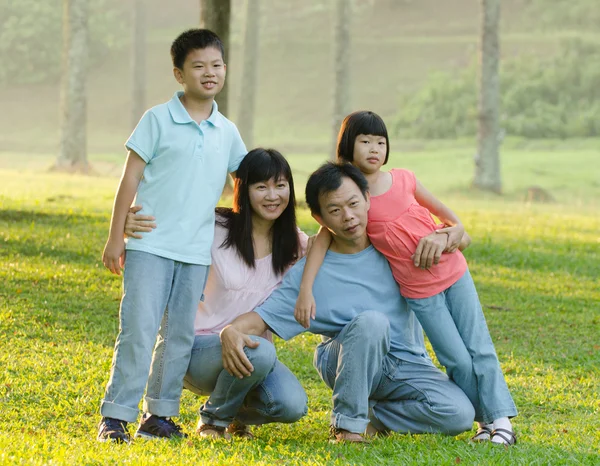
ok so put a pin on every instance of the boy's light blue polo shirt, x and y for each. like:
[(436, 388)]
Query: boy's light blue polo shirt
[(187, 165)]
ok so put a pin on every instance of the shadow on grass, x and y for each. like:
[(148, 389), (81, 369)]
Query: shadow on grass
[(65, 238)]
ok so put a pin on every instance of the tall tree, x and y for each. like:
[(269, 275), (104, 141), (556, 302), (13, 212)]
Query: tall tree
[(215, 15), (341, 86), (138, 61), (487, 162), (73, 142), (250, 70)]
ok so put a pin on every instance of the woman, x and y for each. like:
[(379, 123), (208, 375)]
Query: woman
[(255, 243)]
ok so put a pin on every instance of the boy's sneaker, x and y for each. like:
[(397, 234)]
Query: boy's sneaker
[(113, 430), (153, 427)]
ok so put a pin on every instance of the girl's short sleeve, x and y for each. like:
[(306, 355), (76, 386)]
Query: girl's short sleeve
[(407, 179)]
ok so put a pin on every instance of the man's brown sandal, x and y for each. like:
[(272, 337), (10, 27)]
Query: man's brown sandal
[(338, 435), (212, 432), (236, 429)]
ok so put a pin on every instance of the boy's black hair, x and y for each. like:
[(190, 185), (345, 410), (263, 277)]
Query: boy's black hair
[(362, 122), (328, 178), (261, 165), (193, 39)]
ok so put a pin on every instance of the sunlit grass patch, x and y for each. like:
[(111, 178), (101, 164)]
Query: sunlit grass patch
[(536, 269)]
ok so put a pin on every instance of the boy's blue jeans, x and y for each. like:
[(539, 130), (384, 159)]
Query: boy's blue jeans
[(455, 325), (370, 385), (270, 394), (160, 296)]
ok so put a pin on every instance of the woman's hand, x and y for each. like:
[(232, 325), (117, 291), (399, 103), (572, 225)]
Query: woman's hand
[(306, 308), (455, 235), (136, 223), (235, 360)]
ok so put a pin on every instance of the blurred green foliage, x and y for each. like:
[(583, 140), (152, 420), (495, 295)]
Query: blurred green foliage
[(542, 97), (31, 37), (564, 14)]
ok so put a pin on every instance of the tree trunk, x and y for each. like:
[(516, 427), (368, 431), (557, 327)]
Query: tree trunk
[(250, 70), (138, 61), (215, 15), (73, 142), (487, 162), (341, 86)]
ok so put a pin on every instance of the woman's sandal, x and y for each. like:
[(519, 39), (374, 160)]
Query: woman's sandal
[(484, 434), (508, 437)]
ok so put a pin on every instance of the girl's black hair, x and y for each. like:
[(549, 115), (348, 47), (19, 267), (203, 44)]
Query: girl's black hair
[(362, 122), (261, 165)]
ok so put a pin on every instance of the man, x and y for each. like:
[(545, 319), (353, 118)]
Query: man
[(373, 357)]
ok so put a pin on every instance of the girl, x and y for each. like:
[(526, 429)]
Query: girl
[(432, 273)]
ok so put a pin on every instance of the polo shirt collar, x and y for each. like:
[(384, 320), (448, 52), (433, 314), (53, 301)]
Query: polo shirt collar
[(181, 116)]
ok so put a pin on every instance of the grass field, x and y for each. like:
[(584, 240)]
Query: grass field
[(535, 266)]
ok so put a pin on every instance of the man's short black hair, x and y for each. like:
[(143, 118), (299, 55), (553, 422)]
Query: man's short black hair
[(193, 39), (328, 178), (362, 122)]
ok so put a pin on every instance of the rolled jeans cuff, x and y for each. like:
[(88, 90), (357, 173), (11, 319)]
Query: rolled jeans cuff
[(214, 421), (161, 408), (115, 411), (350, 424)]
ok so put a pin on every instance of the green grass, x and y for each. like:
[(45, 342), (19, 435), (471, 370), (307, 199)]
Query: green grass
[(535, 266)]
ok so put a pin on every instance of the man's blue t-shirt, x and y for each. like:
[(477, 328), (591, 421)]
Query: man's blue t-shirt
[(346, 285)]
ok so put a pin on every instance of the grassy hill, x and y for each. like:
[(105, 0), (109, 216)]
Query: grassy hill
[(536, 272)]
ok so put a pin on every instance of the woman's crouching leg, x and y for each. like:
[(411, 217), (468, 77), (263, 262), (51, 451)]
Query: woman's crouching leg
[(229, 394), (279, 398)]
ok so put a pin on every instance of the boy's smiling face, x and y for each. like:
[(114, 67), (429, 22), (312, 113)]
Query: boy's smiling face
[(203, 73)]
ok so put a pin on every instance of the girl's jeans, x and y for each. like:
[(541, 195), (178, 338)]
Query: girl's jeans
[(454, 323)]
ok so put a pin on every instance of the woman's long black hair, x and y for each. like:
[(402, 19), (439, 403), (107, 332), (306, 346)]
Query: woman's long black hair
[(261, 165)]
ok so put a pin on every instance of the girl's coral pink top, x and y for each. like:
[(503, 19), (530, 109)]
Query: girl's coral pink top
[(396, 224)]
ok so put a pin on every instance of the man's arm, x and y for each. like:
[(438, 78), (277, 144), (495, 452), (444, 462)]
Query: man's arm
[(233, 339)]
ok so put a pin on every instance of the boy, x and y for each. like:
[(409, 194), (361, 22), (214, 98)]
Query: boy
[(178, 159)]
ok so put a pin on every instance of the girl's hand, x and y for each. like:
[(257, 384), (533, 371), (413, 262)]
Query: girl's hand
[(306, 308), (138, 223), (429, 250), (455, 235), (113, 256)]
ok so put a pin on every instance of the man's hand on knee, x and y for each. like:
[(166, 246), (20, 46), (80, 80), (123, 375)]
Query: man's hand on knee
[(235, 360)]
